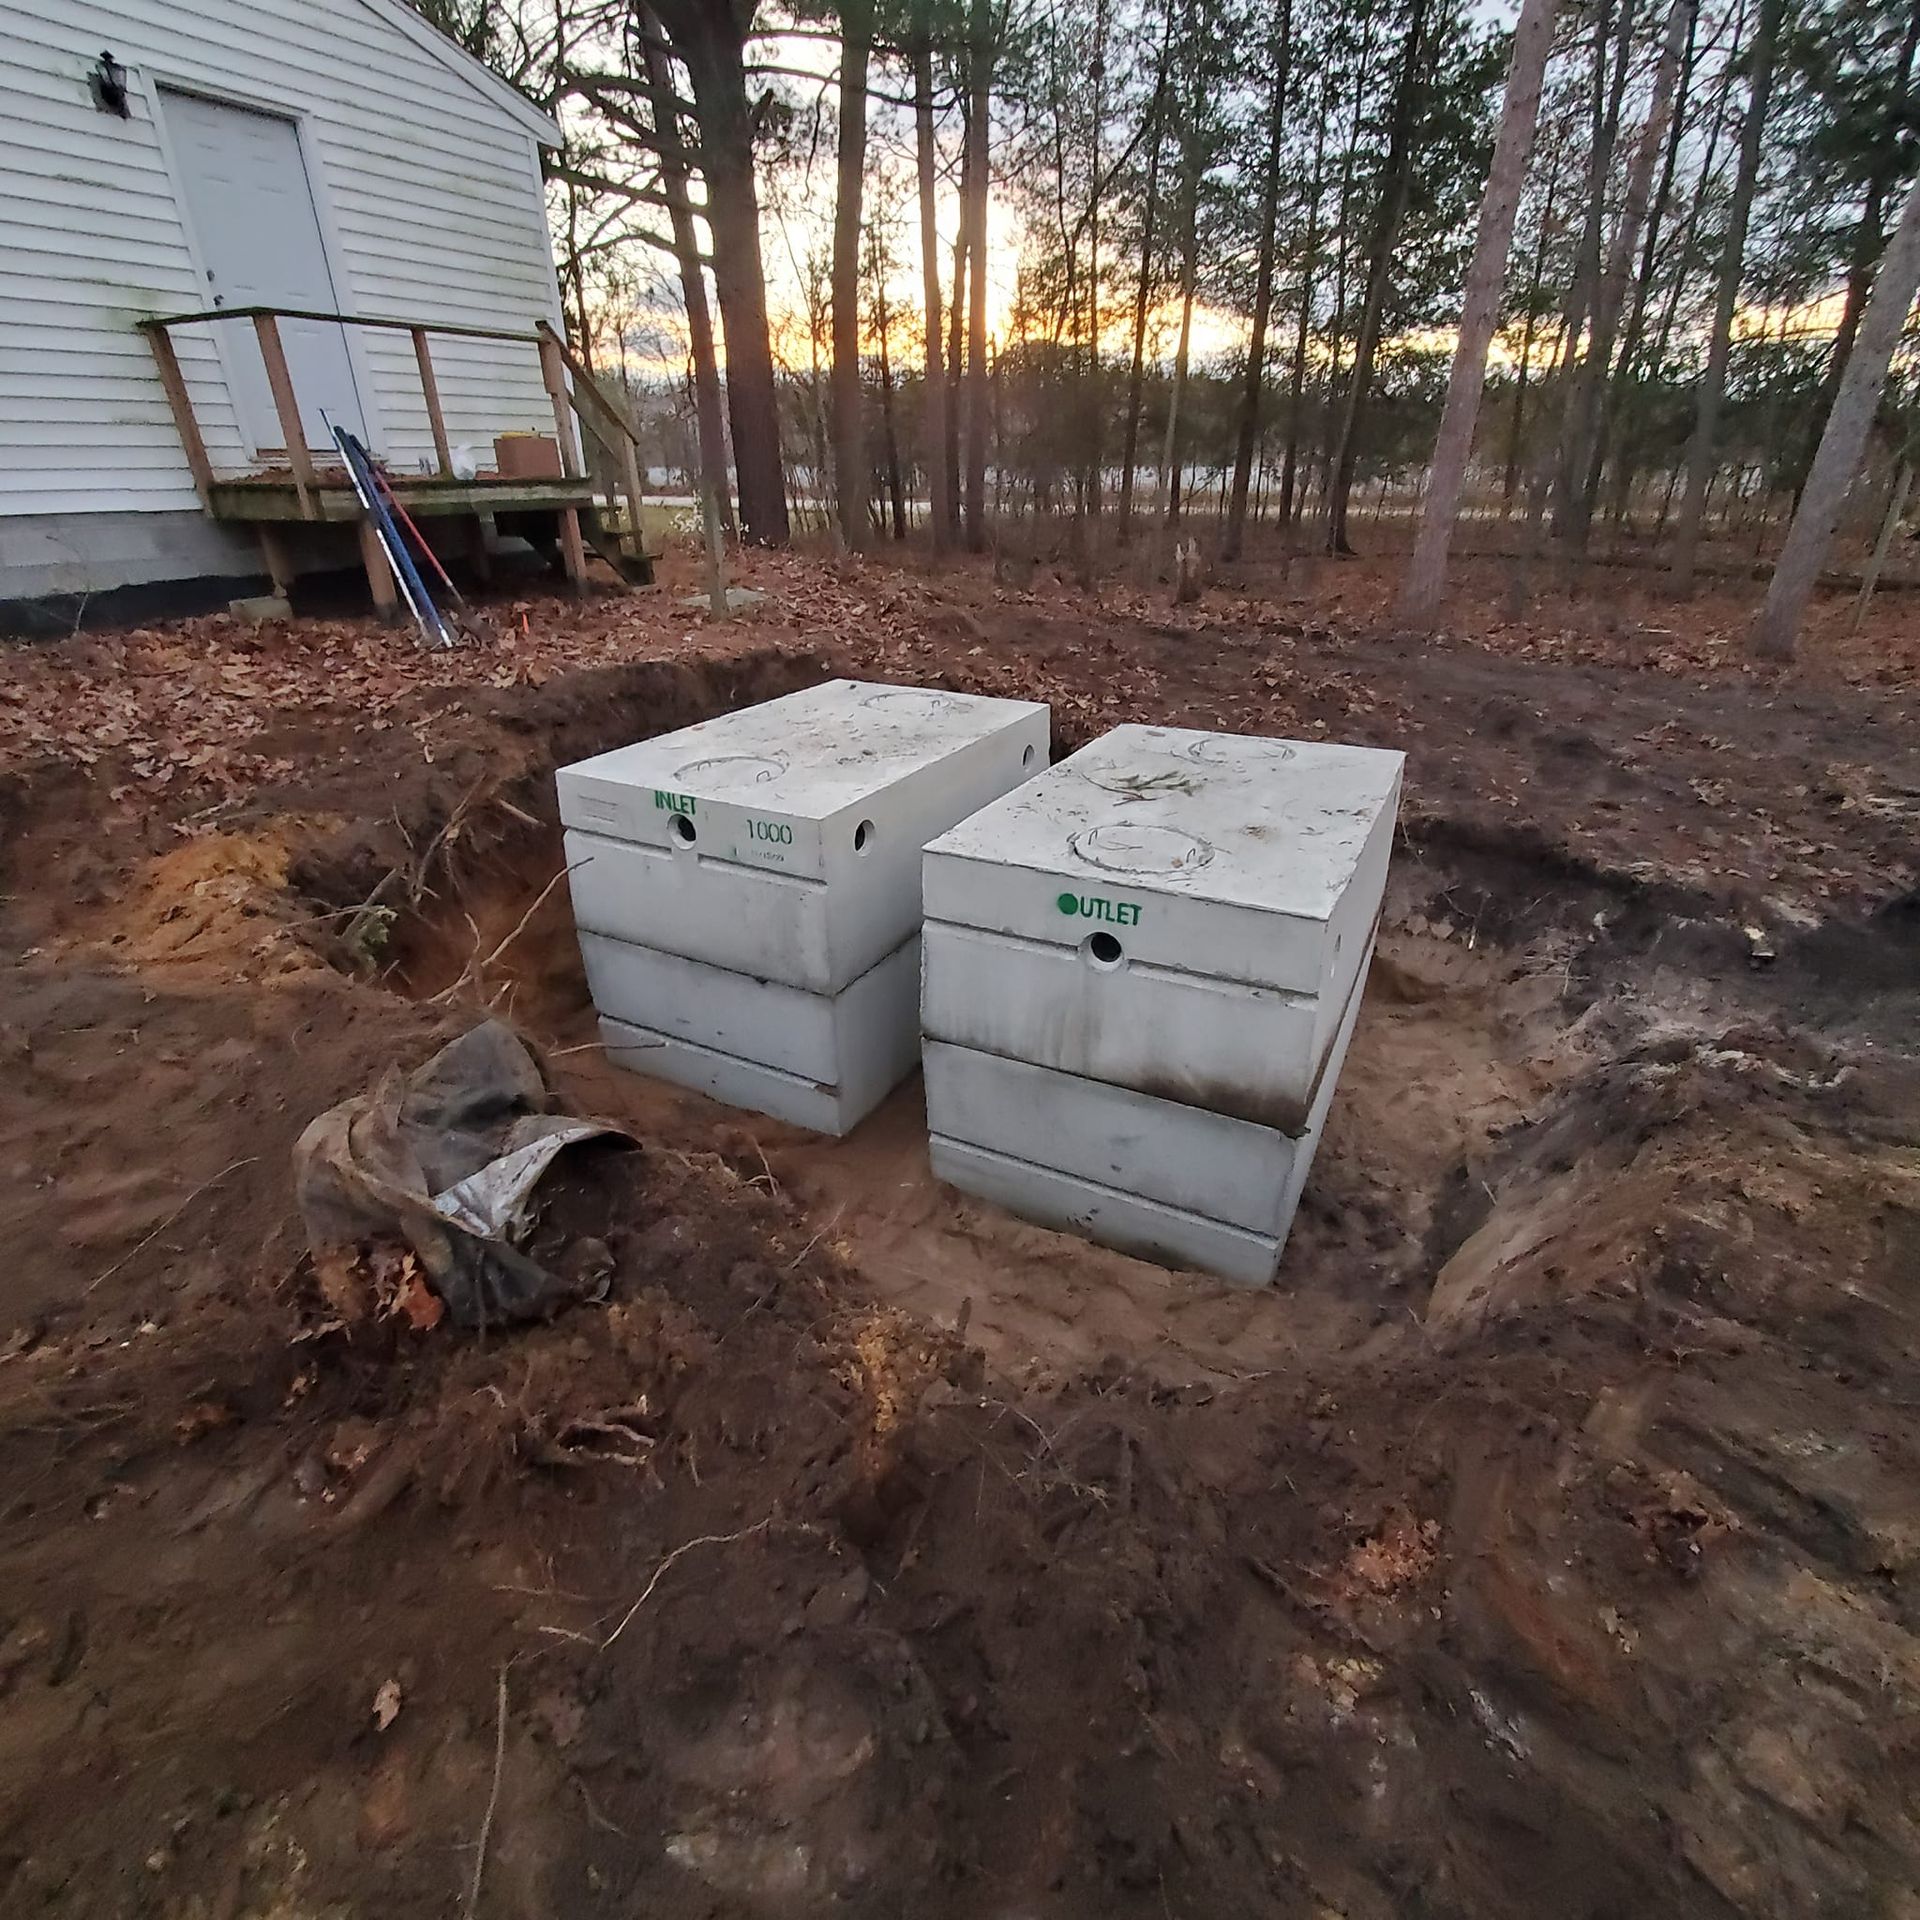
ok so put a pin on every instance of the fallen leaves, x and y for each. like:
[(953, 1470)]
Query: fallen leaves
[(188, 720), (1400, 1554), (379, 1282), (416, 1302), (188, 712)]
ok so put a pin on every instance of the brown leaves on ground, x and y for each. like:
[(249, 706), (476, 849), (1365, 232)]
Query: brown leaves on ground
[(199, 711), (378, 1283), (1730, 792), (1399, 1554)]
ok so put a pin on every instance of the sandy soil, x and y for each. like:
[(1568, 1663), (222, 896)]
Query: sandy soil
[(1544, 1543)]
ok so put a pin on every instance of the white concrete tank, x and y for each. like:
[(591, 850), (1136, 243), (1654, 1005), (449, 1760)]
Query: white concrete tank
[(1139, 975), (747, 890)]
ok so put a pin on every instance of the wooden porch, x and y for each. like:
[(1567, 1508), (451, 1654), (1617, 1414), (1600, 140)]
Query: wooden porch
[(592, 502)]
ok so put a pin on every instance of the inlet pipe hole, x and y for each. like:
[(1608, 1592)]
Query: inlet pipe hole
[(1103, 950), (682, 829), (1026, 757), (863, 836)]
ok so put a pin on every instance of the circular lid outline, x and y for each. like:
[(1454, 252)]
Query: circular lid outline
[(915, 700), (1233, 749), (734, 769), (1119, 846)]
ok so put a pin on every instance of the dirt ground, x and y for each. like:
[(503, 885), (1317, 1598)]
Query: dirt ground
[(1546, 1542)]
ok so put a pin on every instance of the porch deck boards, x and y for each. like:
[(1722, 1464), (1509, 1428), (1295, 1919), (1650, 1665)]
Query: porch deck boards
[(275, 496)]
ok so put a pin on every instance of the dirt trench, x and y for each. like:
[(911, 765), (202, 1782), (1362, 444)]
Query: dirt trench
[(1540, 1545), (1581, 1168)]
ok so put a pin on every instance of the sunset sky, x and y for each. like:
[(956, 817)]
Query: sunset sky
[(797, 218)]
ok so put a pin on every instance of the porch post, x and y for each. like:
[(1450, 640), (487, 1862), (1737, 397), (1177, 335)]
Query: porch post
[(430, 387), (174, 384), (267, 327)]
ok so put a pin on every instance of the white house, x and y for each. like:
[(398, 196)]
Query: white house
[(167, 157)]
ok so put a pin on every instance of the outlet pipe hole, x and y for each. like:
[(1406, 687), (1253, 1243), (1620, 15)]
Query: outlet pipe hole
[(863, 837), (1103, 950)]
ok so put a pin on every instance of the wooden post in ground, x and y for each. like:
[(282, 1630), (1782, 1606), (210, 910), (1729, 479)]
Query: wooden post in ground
[(430, 387), (478, 557), (276, 559), (267, 328), (573, 549), (716, 546), (373, 556), (630, 476)]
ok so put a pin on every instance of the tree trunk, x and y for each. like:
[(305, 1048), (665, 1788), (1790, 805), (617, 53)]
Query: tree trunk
[(1713, 383), (1774, 634), (1309, 266), (1143, 291), (850, 475), (882, 320), (1394, 187), (711, 42), (1343, 227), (1170, 453), (1663, 334), (1096, 370), (1716, 117), (1170, 457), (1255, 384), (980, 56), (1510, 481), (1581, 446), (1426, 581), (819, 405), (936, 399), (1583, 287), (1536, 476), (709, 421), (1613, 424), (1869, 236), (1889, 525), (956, 346)]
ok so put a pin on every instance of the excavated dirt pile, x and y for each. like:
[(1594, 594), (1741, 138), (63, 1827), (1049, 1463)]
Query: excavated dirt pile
[(1544, 1543)]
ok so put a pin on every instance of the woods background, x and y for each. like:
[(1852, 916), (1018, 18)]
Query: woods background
[(1102, 270)]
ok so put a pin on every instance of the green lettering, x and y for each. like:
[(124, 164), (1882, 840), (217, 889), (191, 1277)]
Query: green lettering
[(1093, 906)]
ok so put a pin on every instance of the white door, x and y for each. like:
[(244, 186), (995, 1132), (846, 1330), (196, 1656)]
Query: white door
[(250, 208)]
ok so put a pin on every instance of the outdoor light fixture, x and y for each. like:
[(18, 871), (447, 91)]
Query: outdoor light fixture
[(108, 85)]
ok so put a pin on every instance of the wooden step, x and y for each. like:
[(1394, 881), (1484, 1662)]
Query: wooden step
[(625, 556)]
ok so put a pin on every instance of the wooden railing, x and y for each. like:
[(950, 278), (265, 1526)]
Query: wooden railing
[(582, 398), (599, 413)]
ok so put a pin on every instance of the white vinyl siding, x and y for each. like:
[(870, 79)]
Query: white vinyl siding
[(428, 189)]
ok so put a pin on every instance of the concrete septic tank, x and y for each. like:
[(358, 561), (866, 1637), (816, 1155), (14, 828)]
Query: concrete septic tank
[(747, 890), (1139, 975)]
